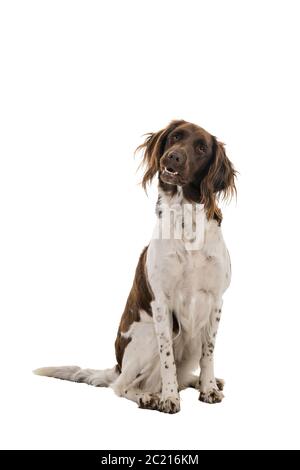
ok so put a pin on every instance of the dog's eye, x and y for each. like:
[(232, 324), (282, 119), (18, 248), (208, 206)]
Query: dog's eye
[(201, 148), (176, 137)]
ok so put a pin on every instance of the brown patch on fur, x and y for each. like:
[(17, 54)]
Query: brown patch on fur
[(139, 298), (219, 180)]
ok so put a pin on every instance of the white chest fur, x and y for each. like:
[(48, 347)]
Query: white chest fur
[(188, 269)]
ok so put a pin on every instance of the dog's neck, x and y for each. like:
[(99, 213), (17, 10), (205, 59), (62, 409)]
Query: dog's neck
[(173, 195)]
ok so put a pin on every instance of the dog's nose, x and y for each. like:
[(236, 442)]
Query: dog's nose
[(175, 159)]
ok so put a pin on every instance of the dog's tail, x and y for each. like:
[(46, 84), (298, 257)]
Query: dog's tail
[(98, 378)]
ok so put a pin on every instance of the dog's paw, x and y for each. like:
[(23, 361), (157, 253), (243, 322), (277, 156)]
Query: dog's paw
[(220, 384), (170, 405), (149, 401), (212, 396), (194, 382)]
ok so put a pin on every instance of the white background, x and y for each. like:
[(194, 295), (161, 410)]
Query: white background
[(81, 81)]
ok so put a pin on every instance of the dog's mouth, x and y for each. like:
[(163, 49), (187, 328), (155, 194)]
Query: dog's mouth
[(170, 171), (169, 175)]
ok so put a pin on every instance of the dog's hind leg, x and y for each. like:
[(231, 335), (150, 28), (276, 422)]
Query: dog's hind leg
[(144, 400), (140, 378), (132, 385), (193, 382)]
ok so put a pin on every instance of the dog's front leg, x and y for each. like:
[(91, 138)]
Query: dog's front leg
[(170, 401), (210, 387)]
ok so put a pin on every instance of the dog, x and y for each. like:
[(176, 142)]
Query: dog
[(171, 318)]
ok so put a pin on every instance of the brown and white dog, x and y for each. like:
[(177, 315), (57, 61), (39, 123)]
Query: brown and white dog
[(172, 314)]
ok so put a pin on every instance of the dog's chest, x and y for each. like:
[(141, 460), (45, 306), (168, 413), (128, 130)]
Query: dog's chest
[(183, 275), (186, 275)]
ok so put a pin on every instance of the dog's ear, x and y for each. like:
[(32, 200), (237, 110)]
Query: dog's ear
[(153, 148), (222, 172), (219, 181)]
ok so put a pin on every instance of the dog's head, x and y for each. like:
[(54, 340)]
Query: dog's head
[(186, 155)]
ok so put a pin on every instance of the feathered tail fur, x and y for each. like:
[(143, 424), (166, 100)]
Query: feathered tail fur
[(98, 378)]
